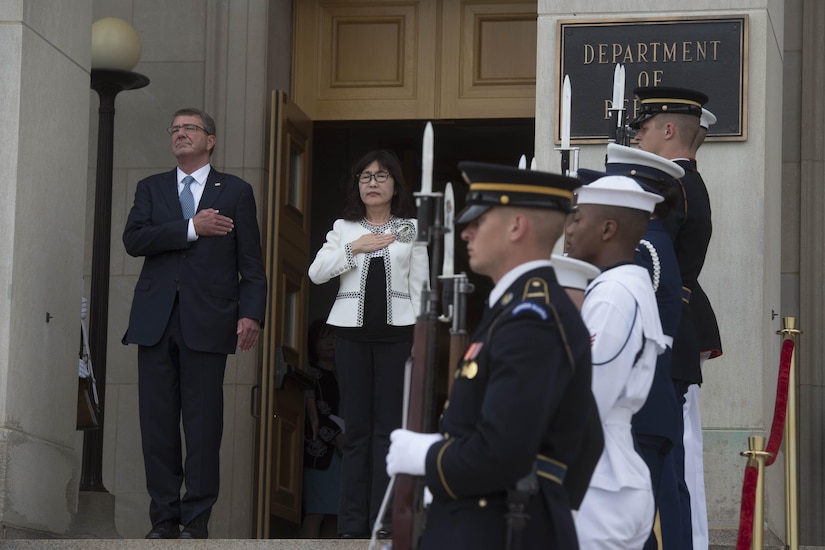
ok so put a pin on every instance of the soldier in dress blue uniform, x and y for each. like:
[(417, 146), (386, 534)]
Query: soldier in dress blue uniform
[(521, 407), (658, 426), (668, 124)]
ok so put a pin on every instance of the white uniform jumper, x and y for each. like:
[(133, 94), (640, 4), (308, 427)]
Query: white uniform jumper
[(626, 337)]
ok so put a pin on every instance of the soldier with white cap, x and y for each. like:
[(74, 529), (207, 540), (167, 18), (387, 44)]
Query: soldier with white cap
[(620, 311), (658, 426)]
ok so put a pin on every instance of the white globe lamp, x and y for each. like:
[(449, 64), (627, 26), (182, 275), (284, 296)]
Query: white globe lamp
[(115, 44)]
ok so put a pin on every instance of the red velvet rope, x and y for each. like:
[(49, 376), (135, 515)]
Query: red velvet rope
[(780, 409), (743, 541)]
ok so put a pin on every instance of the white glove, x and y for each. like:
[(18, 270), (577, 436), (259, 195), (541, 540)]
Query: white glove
[(408, 452)]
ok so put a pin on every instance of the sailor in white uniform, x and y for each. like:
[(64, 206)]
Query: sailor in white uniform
[(621, 314)]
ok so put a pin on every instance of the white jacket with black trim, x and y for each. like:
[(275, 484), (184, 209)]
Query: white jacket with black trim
[(405, 261)]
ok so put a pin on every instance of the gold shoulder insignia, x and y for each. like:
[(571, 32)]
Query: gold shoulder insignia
[(536, 288)]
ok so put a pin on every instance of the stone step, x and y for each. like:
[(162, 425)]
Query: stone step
[(726, 542), (720, 539), (211, 544), (725, 539)]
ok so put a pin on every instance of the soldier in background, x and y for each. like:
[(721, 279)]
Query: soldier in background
[(710, 347), (668, 124)]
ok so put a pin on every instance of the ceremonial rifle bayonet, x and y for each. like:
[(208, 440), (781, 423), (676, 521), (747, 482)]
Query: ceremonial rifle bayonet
[(619, 132), (456, 288), (569, 155), (408, 511)]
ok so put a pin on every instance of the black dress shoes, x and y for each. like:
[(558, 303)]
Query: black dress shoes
[(195, 530), (165, 530), (354, 536)]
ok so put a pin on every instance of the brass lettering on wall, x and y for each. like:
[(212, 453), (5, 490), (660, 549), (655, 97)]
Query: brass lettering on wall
[(703, 53)]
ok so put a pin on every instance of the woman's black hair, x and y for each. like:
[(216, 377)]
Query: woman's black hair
[(402, 204)]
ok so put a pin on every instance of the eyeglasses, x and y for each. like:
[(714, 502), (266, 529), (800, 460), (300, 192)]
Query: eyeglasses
[(380, 177), (188, 128)]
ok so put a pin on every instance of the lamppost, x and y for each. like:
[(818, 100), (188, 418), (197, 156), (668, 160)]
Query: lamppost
[(116, 50)]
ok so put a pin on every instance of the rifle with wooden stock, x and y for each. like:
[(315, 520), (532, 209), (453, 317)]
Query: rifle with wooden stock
[(408, 507), (456, 288)]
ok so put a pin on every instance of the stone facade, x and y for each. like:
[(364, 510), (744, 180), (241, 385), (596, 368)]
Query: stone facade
[(226, 57)]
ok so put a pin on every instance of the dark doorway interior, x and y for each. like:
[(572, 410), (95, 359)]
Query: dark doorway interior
[(336, 145)]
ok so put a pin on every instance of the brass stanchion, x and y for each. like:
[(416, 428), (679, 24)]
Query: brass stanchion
[(791, 427), (756, 457)]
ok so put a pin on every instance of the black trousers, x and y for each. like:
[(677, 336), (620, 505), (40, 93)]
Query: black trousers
[(178, 383), (371, 383)]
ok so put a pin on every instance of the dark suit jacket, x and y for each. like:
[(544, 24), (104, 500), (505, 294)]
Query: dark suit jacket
[(218, 279), (691, 232), (522, 388)]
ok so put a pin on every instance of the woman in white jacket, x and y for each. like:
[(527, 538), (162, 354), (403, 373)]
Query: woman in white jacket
[(382, 271)]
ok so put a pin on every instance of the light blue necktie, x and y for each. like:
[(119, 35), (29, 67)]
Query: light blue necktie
[(187, 201)]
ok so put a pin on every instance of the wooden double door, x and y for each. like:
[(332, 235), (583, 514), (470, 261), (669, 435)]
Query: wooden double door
[(370, 75), (317, 156)]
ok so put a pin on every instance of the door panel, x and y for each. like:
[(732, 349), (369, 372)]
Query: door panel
[(415, 59), (488, 60), (286, 253), (358, 60)]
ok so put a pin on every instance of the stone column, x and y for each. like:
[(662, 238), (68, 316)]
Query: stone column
[(812, 265), (44, 101)]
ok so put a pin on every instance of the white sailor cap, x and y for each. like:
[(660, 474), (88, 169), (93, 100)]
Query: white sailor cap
[(618, 191), (707, 119), (644, 166), (573, 273)]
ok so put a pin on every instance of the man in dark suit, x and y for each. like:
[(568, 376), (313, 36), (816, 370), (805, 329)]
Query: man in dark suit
[(521, 412), (201, 293)]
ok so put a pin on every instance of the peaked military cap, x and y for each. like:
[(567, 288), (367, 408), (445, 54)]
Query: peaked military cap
[(654, 100), (644, 166), (496, 185)]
